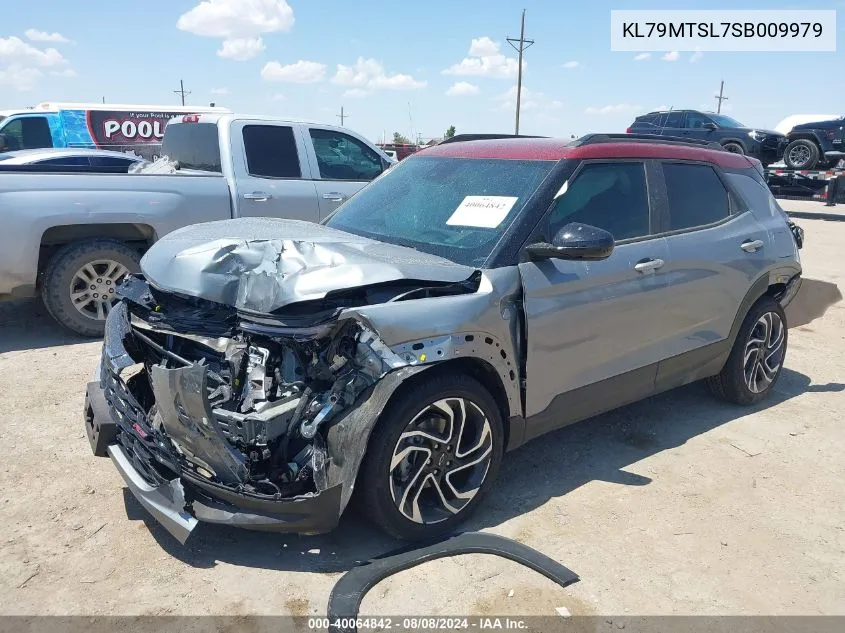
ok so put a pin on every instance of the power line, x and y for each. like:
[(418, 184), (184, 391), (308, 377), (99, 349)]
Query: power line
[(519, 45), (182, 92), (342, 116), (720, 98)]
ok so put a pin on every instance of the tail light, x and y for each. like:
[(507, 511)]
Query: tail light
[(191, 118), (628, 131)]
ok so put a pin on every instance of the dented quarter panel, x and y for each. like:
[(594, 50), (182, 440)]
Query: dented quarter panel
[(483, 325)]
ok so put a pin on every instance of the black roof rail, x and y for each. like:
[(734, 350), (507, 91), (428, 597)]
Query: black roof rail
[(458, 138), (591, 139)]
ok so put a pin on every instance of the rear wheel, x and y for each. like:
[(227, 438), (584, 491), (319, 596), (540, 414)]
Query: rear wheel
[(80, 280), (801, 154), (757, 357), (432, 457)]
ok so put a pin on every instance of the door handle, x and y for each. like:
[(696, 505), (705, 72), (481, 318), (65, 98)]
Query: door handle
[(750, 246), (258, 196), (648, 265), (334, 196)]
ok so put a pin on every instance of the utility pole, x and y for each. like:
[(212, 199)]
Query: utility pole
[(720, 98), (519, 45), (341, 116), (182, 92), (104, 99)]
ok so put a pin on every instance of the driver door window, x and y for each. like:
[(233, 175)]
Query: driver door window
[(29, 132), (611, 196), (342, 157)]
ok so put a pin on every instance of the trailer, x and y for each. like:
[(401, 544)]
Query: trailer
[(827, 185)]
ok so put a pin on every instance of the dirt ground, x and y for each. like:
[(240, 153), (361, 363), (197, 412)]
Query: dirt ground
[(675, 505)]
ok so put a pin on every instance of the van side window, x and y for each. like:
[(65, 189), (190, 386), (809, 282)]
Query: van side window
[(30, 132)]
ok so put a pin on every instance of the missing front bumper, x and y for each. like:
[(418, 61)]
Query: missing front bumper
[(181, 503)]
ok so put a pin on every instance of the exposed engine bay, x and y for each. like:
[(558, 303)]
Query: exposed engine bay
[(239, 400)]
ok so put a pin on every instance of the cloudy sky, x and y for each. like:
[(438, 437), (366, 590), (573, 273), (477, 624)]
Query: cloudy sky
[(396, 66)]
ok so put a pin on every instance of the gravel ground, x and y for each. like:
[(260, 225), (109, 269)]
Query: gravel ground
[(675, 505)]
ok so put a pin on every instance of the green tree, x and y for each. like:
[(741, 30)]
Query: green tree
[(450, 132), (400, 138)]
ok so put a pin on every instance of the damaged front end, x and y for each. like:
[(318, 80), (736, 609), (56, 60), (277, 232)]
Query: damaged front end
[(212, 414)]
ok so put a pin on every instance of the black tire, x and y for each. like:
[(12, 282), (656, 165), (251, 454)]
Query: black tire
[(60, 273), (732, 383), (376, 481), (734, 148), (801, 153)]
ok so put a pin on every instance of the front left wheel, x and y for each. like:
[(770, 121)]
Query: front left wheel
[(432, 457)]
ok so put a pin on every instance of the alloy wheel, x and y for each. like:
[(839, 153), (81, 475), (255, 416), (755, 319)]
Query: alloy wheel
[(799, 155), (764, 352), (440, 460), (92, 288)]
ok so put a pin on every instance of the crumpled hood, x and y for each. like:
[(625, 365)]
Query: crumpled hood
[(263, 264)]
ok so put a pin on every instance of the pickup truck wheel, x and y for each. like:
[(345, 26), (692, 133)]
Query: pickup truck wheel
[(801, 153), (79, 282), (432, 457)]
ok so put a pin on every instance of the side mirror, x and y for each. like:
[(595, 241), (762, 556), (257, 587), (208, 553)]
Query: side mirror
[(709, 126), (574, 241)]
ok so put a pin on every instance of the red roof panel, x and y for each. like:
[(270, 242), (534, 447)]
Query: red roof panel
[(557, 149)]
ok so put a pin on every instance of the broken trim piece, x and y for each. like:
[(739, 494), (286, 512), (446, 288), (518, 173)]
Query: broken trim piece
[(349, 591)]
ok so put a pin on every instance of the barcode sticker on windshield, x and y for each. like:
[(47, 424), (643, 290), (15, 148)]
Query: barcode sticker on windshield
[(485, 212)]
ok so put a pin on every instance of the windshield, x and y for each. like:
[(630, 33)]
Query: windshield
[(725, 121), (455, 208)]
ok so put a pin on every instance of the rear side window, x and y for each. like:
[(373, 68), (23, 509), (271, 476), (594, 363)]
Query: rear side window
[(193, 146), (271, 151), (696, 196), (672, 119), (67, 161), (646, 120)]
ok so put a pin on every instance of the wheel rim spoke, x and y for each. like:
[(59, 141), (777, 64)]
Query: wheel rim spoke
[(440, 460), (764, 352), (92, 288)]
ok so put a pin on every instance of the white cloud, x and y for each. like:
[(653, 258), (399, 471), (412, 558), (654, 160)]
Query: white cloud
[(572, 64), (619, 108), (301, 72), (278, 97), (485, 60), (641, 57), (219, 91), (43, 36), (13, 50), (233, 19), (368, 75), (661, 107), (462, 89), (241, 49), (18, 78), (483, 47), (696, 56), (20, 64), (671, 56)]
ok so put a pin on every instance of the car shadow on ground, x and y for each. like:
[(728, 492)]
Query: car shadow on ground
[(25, 324), (596, 449)]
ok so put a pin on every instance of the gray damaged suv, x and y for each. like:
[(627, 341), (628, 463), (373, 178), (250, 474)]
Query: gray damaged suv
[(259, 371)]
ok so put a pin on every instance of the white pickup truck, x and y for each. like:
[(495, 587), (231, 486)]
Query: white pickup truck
[(72, 236)]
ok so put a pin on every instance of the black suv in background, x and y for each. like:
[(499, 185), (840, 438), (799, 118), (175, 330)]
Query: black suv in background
[(765, 145), (816, 144)]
